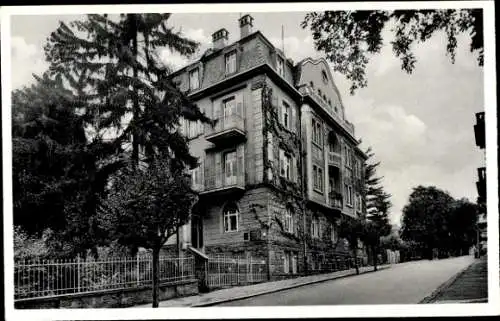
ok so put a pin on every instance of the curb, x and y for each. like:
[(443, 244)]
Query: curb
[(432, 297), (481, 300), (246, 296)]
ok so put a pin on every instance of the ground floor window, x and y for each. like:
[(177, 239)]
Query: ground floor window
[(290, 262), (231, 214)]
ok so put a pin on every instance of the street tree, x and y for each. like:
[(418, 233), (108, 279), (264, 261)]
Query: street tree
[(350, 38), (462, 225), (426, 219), (352, 230), (146, 206), (129, 94), (58, 175), (378, 205)]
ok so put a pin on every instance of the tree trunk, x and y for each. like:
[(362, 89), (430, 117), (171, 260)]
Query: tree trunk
[(156, 277), (374, 251), (355, 261)]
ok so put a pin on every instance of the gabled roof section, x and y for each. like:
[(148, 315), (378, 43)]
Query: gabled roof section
[(328, 70)]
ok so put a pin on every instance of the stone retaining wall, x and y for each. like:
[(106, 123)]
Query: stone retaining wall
[(110, 298)]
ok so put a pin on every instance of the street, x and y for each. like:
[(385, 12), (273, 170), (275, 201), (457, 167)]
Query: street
[(406, 283)]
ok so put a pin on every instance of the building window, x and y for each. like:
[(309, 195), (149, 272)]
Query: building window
[(318, 178), (289, 262), (230, 168), (194, 79), (359, 202), (228, 106), (285, 110), (311, 84), (319, 93), (285, 164), (333, 233), (315, 227), (281, 66), (348, 194), (317, 132), (288, 222), (325, 76), (196, 178), (231, 62), (231, 214)]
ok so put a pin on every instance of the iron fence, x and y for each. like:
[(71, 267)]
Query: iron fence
[(230, 271), (45, 278)]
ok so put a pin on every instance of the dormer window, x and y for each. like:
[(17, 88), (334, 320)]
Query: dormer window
[(311, 84), (319, 92), (194, 79), (281, 66), (231, 62), (325, 76)]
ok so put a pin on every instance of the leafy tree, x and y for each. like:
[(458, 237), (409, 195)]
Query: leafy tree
[(378, 205), (57, 175), (426, 218), (119, 61), (350, 38), (462, 225), (146, 206), (352, 230)]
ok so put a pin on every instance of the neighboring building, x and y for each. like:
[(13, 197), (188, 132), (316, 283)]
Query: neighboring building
[(479, 133), (282, 164)]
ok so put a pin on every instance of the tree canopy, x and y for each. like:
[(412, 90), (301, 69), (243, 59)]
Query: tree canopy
[(350, 38), (434, 219)]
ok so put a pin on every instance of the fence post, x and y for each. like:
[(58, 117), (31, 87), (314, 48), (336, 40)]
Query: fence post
[(138, 265), (251, 275), (78, 272), (237, 270), (181, 261)]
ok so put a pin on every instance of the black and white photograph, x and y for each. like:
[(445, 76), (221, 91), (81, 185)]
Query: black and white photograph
[(329, 159)]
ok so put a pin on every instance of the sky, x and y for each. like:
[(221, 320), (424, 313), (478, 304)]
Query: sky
[(420, 126)]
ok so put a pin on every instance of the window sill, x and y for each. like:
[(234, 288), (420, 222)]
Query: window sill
[(230, 232), (317, 145), (318, 190)]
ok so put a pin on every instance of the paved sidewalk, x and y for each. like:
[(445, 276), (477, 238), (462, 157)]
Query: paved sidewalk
[(242, 292), (468, 286)]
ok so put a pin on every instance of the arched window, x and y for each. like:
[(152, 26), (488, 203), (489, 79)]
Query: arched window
[(231, 216), (325, 76)]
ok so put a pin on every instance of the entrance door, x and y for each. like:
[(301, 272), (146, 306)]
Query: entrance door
[(197, 231)]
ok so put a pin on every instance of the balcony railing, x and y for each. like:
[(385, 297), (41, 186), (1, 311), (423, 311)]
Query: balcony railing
[(334, 159), (335, 199), (221, 182), (227, 127)]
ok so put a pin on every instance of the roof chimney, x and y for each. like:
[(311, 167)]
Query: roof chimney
[(219, 38), (246, 23)]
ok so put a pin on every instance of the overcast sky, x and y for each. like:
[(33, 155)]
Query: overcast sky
[(420, 126)]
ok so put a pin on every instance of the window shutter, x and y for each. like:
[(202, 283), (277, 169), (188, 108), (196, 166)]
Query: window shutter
[(240, 171), (218, 169), (218, 110), (239, 105), (293, 119), (209, 170)]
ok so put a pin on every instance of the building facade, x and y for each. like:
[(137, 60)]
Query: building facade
[(280, 167)]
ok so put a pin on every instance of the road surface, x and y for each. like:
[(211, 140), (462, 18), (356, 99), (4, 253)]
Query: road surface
[(406, 283)]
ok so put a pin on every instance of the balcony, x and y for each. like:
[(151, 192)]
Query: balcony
[(334, 159), (223, 185), (335, 200), (479, 130), (228, 129)]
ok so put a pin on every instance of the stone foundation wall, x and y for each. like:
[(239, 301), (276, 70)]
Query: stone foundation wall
[(110, 298)]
